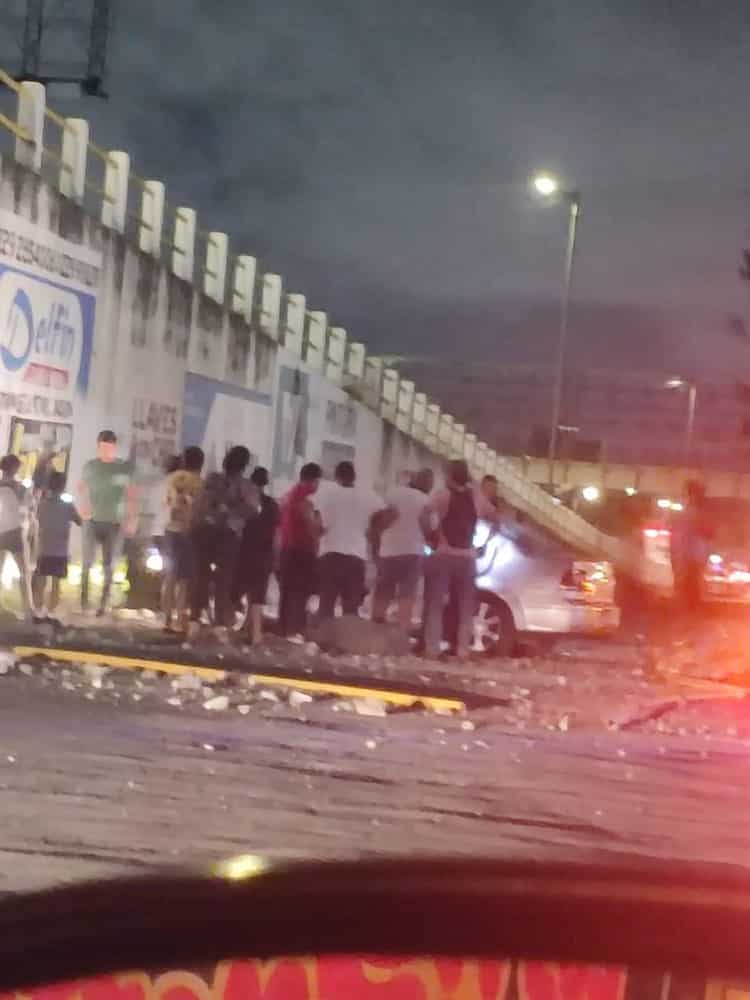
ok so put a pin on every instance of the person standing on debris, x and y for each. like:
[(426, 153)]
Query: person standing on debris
[(182, 488), (690, 540), (347, 514), (13, 499), (225, 503), (161, 512), (449, 522), (54, 518), (108, 502), (299, 538), (256, 556), (401, 549), (490, 490)]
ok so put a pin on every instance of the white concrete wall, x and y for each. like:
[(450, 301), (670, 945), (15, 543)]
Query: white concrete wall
[(170, 367)]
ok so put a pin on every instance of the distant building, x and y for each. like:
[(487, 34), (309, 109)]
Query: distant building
[(606, 415)]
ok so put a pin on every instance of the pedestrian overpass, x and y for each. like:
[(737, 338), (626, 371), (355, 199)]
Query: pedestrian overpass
[(176, 307)]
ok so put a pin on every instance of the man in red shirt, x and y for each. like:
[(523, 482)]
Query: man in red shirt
[(300, 533)]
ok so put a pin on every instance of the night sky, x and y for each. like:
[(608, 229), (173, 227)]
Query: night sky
[(376, 154)]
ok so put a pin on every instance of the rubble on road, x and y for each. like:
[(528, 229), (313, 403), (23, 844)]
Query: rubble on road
[(218, 704), (370, 706), (605, 687), (350, 634)]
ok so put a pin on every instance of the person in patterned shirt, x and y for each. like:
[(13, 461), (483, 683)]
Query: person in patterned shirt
[(183, 487)]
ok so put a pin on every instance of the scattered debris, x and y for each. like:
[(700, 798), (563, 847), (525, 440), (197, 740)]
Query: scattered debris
[(370, 706), (218, 704), (299, 698), (7, 661), (95, 672), (188, 682)]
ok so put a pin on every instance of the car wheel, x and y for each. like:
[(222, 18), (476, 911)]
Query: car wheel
[(494, 628)]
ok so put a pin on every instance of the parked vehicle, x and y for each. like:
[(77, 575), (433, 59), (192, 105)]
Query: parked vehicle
[(726, 578), (531, 584)]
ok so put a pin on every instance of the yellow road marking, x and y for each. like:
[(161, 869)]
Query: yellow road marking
[(124, 662), (347, 691), (400, 698)]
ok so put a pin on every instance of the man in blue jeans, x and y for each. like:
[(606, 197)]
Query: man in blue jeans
[(108, 503), (449, 521)]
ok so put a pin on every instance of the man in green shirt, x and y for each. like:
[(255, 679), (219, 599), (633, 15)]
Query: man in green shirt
[(108, 504)]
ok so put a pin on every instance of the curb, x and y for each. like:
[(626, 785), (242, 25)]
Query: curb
[(401, 699)]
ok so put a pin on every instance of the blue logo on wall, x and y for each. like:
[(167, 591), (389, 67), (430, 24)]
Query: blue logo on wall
[(46, 330), (20, 332)]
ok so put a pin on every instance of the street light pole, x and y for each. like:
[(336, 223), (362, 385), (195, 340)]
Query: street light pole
[(692, 395), (574, 201), (692, 390)]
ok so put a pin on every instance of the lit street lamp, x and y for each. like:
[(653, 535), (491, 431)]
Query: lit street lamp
[(548, 186), (692, 391)]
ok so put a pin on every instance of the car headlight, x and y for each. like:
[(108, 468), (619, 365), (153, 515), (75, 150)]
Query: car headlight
[(154, 561)]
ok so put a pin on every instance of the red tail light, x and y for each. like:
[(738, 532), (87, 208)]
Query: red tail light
[(657, 532)]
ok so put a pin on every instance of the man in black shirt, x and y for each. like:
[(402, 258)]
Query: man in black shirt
[(257, 556)]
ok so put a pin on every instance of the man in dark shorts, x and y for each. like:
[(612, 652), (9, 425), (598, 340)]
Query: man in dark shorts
[(54, 518), (257, 555)]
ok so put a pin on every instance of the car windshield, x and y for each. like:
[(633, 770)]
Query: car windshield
[(374, 422)]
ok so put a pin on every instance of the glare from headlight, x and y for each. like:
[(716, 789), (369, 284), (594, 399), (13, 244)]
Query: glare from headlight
[(10, 573), (481, 534), (154, 561)]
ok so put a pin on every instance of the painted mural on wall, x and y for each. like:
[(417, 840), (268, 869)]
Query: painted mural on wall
[(37, 441), (369, 978), (341, 419), (154, 433), (48, 289), (218, 415), (291, 437)]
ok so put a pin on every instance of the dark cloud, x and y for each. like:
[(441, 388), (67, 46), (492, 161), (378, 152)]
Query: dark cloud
[(376, 153)]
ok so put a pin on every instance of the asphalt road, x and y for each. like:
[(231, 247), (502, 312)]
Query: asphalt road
[(91, 787)]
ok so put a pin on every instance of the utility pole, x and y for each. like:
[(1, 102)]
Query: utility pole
[(37, 29), (101, 13), (33, 29)]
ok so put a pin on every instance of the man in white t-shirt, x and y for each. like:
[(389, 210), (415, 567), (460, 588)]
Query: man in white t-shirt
[(402, 542), (346, 514)]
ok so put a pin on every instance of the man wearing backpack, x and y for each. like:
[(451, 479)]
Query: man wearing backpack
[(221, 510), (12, 499), (449, 521), (182, 488)]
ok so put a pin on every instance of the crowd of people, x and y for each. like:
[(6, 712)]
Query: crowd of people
[(222, 537), (226, 533)]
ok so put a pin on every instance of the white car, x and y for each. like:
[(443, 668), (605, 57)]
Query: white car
[(726, 578), (532, 584)]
